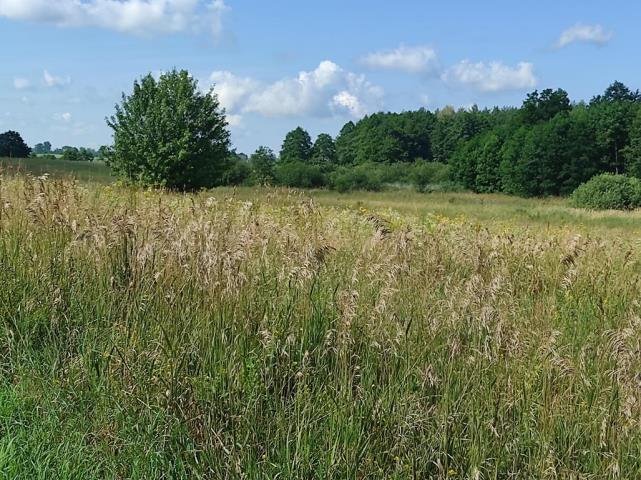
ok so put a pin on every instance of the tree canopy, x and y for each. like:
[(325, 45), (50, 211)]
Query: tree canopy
[(297, 146), (168, 133), (12, 145)]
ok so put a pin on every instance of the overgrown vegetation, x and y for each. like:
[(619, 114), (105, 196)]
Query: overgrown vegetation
[(159, 335)]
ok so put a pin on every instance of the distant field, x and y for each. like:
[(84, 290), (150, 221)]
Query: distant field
[(96, 172)]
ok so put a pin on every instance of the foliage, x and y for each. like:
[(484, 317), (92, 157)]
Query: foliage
[(549, 146), (363, 176), (324, 150), (13, 146), (425, 175), (299, 174), (386, 138), (42, 148), (237, 171), (544, 106), (263, 163), (297, 147), (608, 191), (167, 133), (74, 154)]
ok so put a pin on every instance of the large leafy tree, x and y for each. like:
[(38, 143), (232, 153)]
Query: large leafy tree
[(617, 92), (168, 133), (543, 106), (487, 165), (446, 135), (297, 146), (324, 150), (613, 115), (346, 144), (12, 145)]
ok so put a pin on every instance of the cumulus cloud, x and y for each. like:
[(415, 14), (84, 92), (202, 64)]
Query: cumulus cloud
[(143, 17), (54, 81), (418, 59), (20, 83), (232, 90), (492, 76), (594, 34), (327, 90)]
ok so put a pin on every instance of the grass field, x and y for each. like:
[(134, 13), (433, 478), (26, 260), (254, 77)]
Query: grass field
[(267, 333), (96, 172)]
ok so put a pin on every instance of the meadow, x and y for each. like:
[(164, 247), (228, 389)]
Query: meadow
[(94, 172), (274, 333)]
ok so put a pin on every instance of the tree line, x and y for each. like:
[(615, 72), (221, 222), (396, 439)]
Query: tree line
[(169, 133), (12, 145), (548, 146)]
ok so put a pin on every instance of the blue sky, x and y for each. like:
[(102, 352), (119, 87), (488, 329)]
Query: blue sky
[(280, 64)]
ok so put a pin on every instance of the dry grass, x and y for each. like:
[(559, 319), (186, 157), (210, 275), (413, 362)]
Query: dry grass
[(155, 335)]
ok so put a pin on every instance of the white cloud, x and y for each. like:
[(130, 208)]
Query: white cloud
[(65, 117), (419, 59), (492, 76), (594, 34), (20, 83), (143, 17), (54, 81), (231, 89), (325, 91)]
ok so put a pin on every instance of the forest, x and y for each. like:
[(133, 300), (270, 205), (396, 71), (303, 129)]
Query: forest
[(548, 146)]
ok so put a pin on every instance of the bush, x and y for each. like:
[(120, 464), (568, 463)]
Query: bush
[(365, 176), (238, 172), (426, 175), (608, 191), (299, 175)]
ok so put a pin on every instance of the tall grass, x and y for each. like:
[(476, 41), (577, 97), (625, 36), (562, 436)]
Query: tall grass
[(156, 335)]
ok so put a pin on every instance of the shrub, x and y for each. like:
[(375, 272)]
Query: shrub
[(608, 191), (299, 175), (238, 172), (426, 175), (365, 176)]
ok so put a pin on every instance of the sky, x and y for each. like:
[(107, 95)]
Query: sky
[(276, 65)]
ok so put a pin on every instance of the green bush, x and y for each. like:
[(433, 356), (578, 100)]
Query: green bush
[(299, 175), (365, 176), (608, 191), (426, 175), (238, 172)]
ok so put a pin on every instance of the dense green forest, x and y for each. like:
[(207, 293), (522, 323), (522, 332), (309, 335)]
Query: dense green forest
[(548, 146)]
